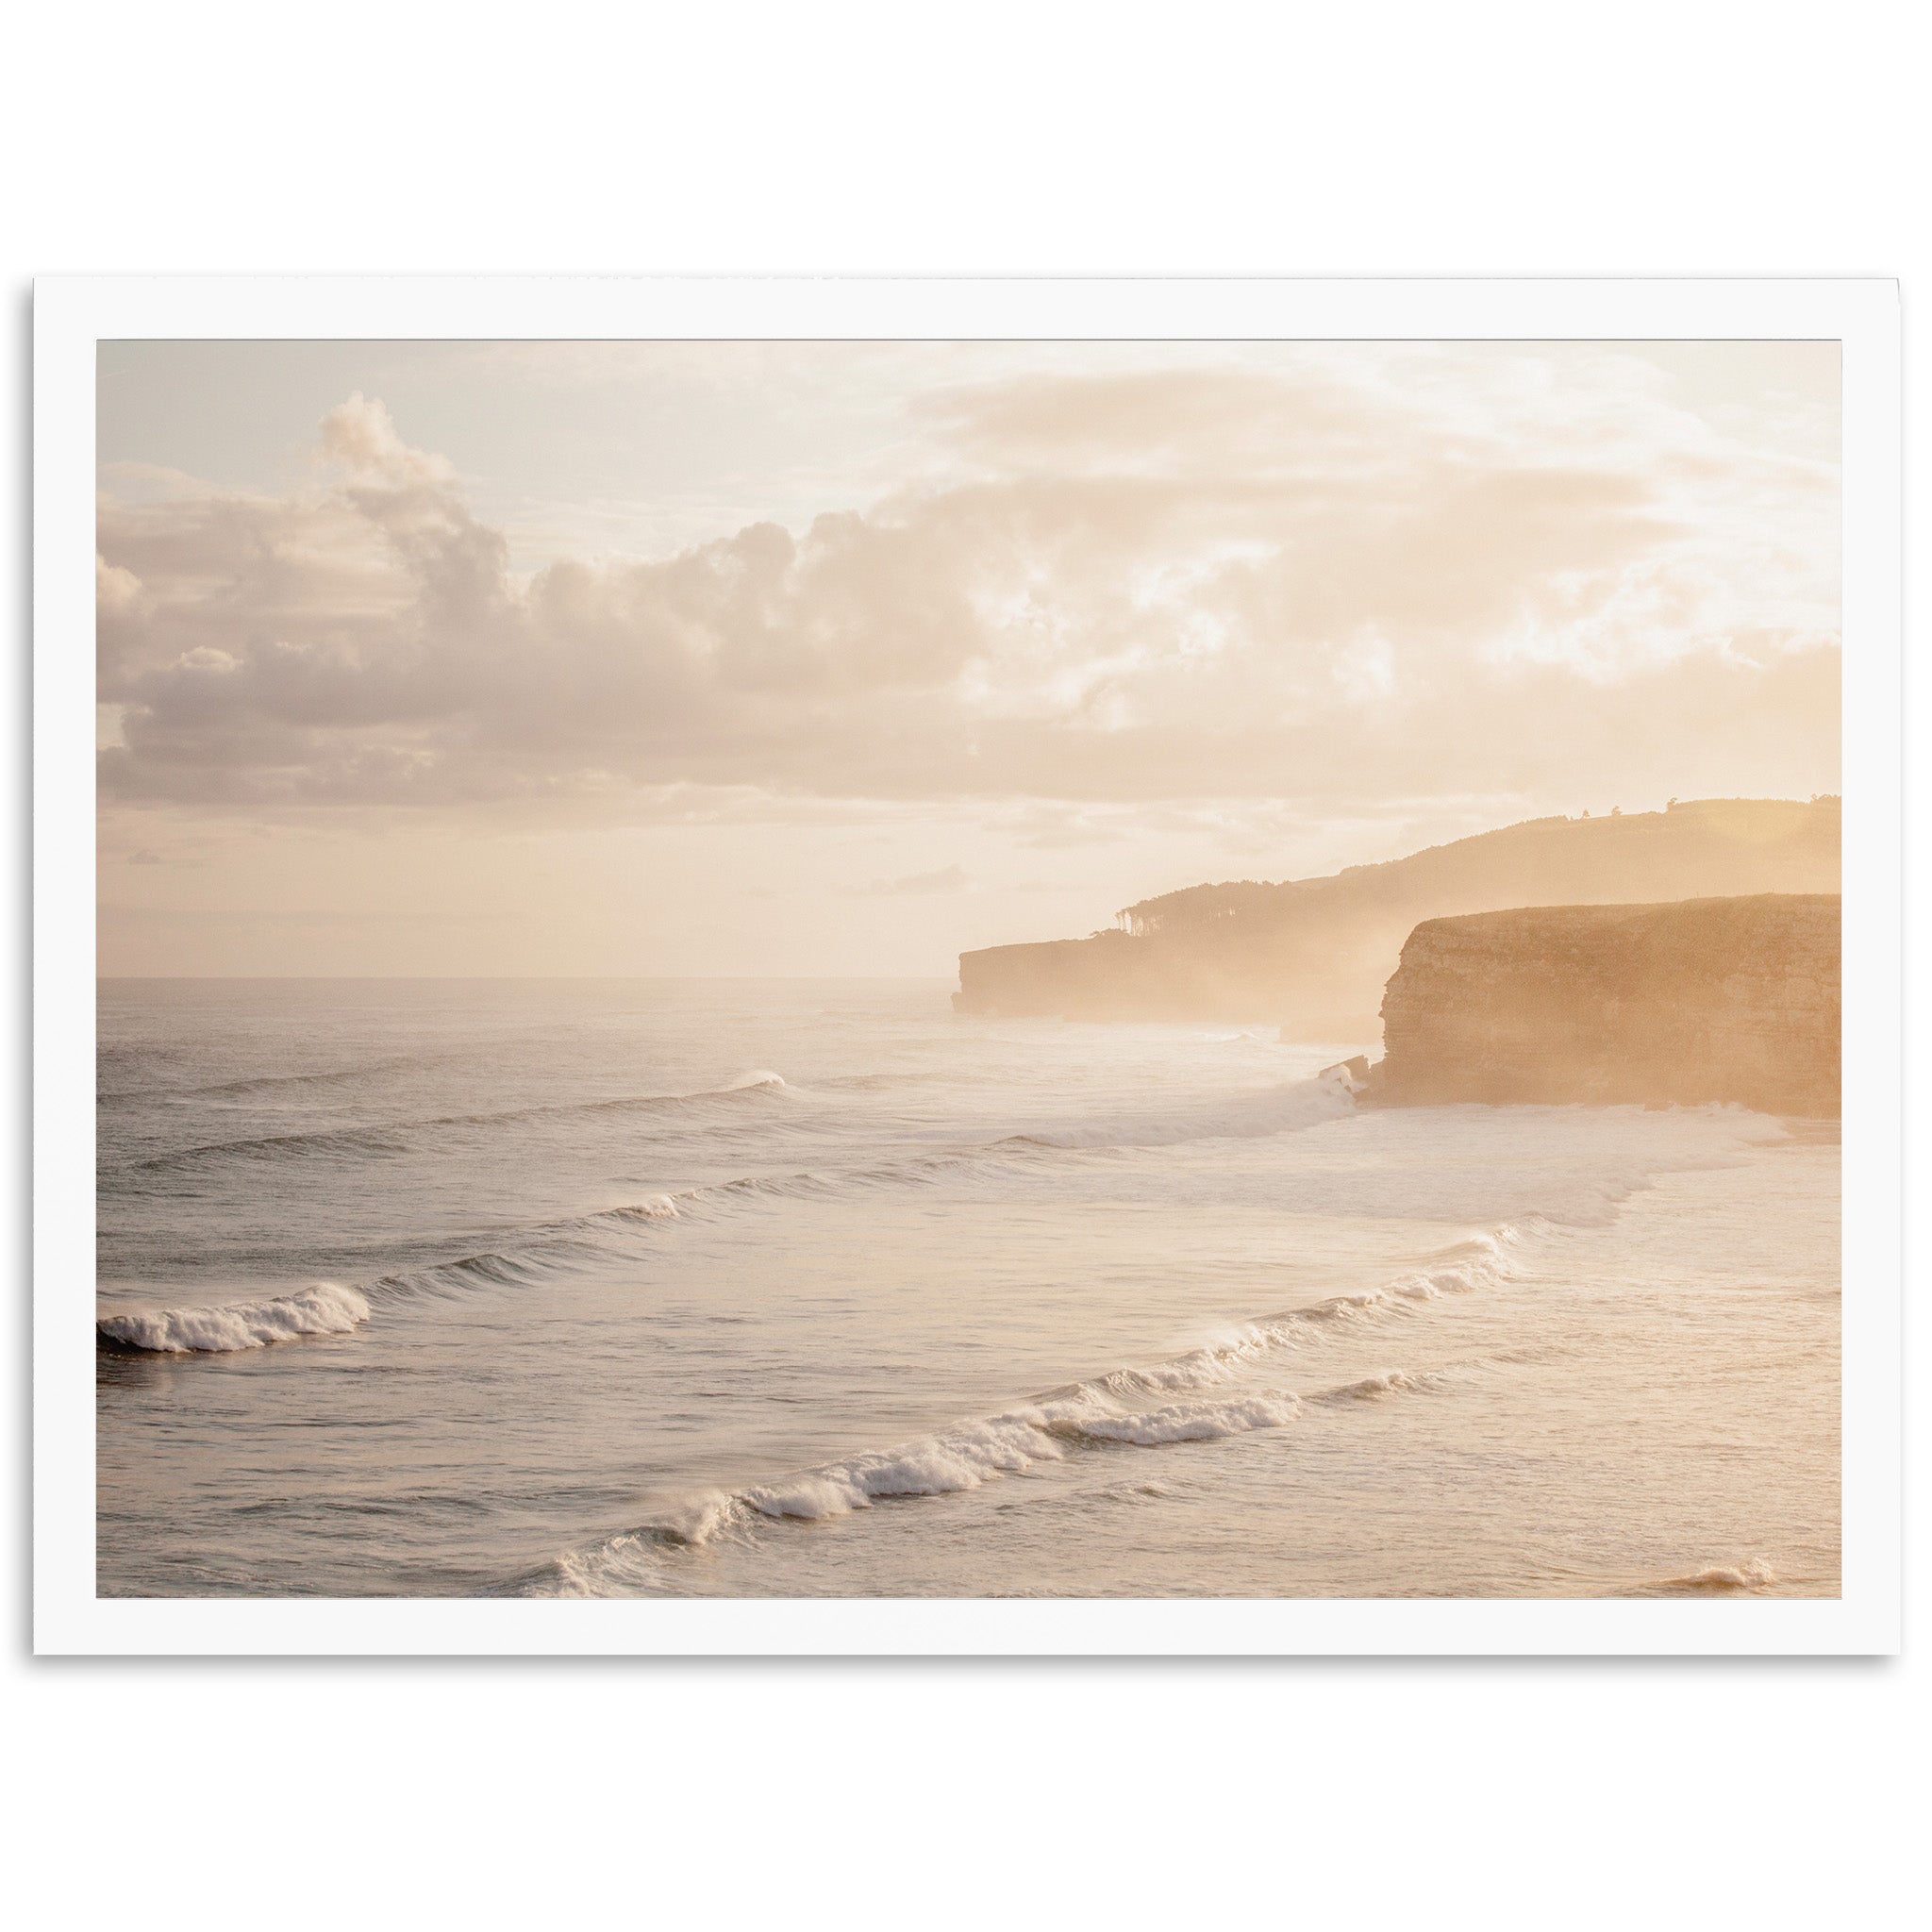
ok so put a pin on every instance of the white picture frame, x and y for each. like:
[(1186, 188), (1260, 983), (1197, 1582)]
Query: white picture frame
[(74, 315)]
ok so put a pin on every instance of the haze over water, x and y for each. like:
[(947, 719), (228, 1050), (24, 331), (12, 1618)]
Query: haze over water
[(817, 1289)]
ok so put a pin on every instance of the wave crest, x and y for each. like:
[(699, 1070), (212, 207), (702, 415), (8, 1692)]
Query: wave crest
[(328, 1307), (1719, 1580), (1093, 1414)]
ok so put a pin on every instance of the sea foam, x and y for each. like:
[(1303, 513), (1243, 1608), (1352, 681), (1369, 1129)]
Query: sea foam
[(963, 1457), (328, 1307), (1096, 1414)]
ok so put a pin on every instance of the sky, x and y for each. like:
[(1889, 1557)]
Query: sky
[(836, 658)]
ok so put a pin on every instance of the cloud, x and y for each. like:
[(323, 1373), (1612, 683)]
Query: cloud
[(1417, 575), (358, 437)]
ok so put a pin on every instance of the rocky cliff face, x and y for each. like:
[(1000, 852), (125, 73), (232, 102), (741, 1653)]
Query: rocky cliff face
[(1311, 955), (1707, 999)]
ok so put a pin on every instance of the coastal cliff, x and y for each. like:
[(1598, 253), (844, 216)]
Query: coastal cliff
[(1733, 999), (1312, 955)]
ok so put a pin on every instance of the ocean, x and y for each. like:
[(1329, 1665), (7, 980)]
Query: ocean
[(794, 1289)]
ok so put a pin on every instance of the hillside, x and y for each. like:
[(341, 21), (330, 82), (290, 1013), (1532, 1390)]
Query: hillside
[(1312, 955)]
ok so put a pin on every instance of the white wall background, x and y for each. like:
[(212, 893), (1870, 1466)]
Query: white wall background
[(1649, 137)]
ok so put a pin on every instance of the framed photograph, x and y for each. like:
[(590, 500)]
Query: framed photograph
[(967, 966)]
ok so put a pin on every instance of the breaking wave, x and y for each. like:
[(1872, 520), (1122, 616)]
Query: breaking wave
[(1720, 1580), (328, 1307), (1482, 1261), (965, 1457), (973, 1453), (548, 1251), (1107, 1410)]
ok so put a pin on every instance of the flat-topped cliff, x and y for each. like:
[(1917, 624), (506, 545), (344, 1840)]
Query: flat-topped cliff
[(1733, 999), (1312, 955)]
